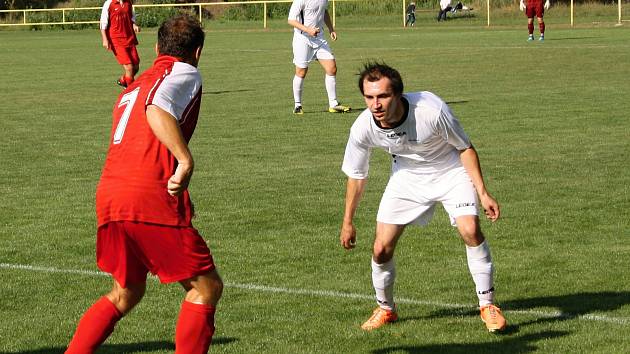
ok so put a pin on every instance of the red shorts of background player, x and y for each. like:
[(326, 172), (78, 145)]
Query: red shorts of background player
[(535, 9), (129, 250), (126, 55)]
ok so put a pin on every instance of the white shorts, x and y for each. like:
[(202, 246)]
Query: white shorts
[(306, 49), (410, 198)]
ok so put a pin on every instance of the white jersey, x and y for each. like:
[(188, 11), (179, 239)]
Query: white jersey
[(427, 142), (310, 13), (444, 4)]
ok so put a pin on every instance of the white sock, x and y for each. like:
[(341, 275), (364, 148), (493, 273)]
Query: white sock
[(298, 85), (482, 270), (383, 276), (331, 89)]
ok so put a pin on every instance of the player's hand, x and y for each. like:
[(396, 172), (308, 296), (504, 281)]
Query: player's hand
[(333, 35), (313, 31), (136, 28), (522, 6), (547, 5), (348, 237), (490, 207), (179, 181), (106, 44)]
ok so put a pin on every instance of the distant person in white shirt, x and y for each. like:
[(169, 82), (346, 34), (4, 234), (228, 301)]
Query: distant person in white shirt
[(445, 7), (433, 161), (308, 18)]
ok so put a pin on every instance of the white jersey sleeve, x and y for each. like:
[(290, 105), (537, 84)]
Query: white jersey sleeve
[(450, 130), (296, 12), (356, 160), (104, 23), (177, 90)]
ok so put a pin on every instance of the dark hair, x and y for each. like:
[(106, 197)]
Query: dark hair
[(374, 71), (180, 36)]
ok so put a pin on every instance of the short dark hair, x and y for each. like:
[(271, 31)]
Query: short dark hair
[(180, 36), (374, 71)]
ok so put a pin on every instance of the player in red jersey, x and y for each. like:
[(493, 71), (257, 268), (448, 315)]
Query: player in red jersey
[(118, 32), (143, 207), (535, 8)]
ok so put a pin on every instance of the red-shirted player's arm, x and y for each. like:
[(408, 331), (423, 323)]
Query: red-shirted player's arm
[(166, 129)]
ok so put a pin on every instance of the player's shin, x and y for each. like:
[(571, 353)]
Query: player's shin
[(331, 90), (298, 86), (195, 328), (482, 271), (383, 276), (95, 326)]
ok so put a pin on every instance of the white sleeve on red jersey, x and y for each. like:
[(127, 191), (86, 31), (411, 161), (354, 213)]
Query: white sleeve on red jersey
[(105, 15), (175, 93)]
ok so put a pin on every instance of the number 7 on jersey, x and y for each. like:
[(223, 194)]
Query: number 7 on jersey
[(129, 99)]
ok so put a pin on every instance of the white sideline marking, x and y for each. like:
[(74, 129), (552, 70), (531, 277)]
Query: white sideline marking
[(337, 294)]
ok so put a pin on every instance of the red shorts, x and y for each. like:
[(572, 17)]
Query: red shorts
[(129, 250), (126, 55), (535, 9)]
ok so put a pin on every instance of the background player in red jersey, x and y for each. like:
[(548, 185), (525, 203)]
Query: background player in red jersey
[(143, 207), (118, 32), (535, 8)]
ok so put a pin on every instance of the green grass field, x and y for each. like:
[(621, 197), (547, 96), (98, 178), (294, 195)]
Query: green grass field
[(550, 121)]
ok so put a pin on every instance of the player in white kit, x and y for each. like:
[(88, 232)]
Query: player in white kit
[(308, 18), (433, 161)]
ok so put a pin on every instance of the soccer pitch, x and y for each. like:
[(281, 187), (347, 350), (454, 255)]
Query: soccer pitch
[(550, 122)]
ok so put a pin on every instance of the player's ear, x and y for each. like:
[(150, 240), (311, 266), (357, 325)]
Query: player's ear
[(157, 49), (198, 53)]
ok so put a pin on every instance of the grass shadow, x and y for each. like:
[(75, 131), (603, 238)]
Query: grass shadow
[(524, 344), (559, 308), (125, 348)]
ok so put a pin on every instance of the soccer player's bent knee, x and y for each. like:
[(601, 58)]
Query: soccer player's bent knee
[(124, 299), (301, 72), (382, 253), (470, 232)]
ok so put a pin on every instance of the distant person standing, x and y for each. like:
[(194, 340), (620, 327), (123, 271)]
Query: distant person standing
[(411, 14), (535, 8), (118, 32), (308, 18), (445, 7)]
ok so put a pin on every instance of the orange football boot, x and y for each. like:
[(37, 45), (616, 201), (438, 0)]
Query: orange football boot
[(379, 318), (492, 317)]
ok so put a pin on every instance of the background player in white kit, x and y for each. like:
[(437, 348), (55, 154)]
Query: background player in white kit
[(308, 18), (432, 161)]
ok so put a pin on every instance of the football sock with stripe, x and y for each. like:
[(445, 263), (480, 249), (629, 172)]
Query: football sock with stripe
[(383, 276), (195, 328), (298, 86), (331, 90), (95, 326), (482, 270)]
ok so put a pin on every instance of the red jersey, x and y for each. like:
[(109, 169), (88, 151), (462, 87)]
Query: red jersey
[(534, 3), (138, 166), (117, 19)]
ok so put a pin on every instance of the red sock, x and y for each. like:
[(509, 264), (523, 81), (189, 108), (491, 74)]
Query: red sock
[(530, 28), (95, 326), (541, 27), (195, 328)]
